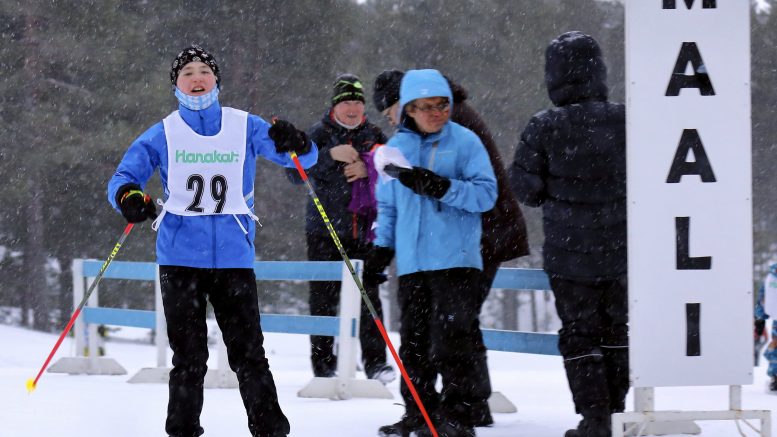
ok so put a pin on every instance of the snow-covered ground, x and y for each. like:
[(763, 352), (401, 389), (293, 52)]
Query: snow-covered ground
[(92, 406)]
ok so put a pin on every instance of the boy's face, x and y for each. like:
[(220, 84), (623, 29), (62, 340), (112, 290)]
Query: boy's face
[(430, 113), (196, 79), (350, 112)]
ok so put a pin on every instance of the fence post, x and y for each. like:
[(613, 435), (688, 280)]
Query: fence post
[(350, 311), (77, 267), (80, 363), (345, 385), (91, 327)]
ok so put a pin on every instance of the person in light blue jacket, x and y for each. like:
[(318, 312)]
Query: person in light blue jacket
[(430, 217), (206, 155)]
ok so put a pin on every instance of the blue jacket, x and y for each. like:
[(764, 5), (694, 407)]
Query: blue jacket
[(430, 234), (211, 241)]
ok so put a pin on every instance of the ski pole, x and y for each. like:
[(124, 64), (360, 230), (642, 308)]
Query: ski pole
[(32, 383), (365, 297)]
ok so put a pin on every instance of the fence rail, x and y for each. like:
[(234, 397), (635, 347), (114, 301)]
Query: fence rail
[(498, 340)]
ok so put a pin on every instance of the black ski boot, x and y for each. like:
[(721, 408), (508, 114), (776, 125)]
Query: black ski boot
[(592, 427), (447, 427), (479, 415), (403, 428), (773, 385)]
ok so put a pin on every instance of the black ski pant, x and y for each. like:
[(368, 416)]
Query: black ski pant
[(480, 412), (440, 334), (324, 300), (232, 293), (593, 340)]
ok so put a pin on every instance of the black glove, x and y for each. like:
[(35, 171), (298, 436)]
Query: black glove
[(377, 260), (135, 205), (288, 138), (424, 182), (760, 326)]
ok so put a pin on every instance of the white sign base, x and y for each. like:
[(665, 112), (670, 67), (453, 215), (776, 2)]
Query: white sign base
[(649, 422)]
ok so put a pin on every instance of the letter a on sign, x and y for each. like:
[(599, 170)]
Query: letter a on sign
[(680, 166), (689, 53)]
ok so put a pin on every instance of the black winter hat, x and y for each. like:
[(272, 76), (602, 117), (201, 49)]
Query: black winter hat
[(347, 87), (386, 91), (194, 53)]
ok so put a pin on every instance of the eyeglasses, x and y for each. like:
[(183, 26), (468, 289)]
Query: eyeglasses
[(442, 107)]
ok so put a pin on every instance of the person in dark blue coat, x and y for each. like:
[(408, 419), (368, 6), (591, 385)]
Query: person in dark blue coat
[(206, 155), (344, 180), (571, 160)]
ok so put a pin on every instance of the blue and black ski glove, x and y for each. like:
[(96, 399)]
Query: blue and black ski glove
[(288, 138), (135, 205), (420, 180), (377, 260)]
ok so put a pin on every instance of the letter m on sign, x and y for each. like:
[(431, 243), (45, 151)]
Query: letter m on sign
[(706, 4)]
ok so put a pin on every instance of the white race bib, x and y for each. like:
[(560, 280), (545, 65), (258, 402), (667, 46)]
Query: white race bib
[(205, 174), (770, 295)]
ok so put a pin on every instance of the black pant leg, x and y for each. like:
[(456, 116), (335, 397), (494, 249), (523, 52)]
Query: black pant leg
[(372, 343), (615, 344), (487, 280), (458, 352), (323, 300), (235, 303), (480, 411), (183, 298), (415, 344), (580, 338)]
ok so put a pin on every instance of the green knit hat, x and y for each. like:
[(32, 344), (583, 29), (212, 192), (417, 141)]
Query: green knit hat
[(347, 87)]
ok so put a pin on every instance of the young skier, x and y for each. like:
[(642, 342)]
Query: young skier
[(206, 156)]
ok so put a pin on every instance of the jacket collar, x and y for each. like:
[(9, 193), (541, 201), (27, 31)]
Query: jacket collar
[(205, 121), (329, 118)]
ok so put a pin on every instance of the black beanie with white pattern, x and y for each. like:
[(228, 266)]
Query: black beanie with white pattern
[(194, 53)]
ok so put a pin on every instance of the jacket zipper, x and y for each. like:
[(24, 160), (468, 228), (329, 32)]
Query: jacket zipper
[(431, 167)]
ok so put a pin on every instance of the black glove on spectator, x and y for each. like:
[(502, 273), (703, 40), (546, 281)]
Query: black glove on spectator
[(377, 260), (288, 138), (760, 325), (135, 205), (424, 182)]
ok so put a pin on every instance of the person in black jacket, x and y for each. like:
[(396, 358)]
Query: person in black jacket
[(341, 179), (504, 229), (571, 160)]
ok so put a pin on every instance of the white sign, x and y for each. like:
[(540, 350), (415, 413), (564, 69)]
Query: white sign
[(689, 192)]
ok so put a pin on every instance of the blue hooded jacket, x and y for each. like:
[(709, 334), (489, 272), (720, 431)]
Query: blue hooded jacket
[(435, 234), (209, 241)]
